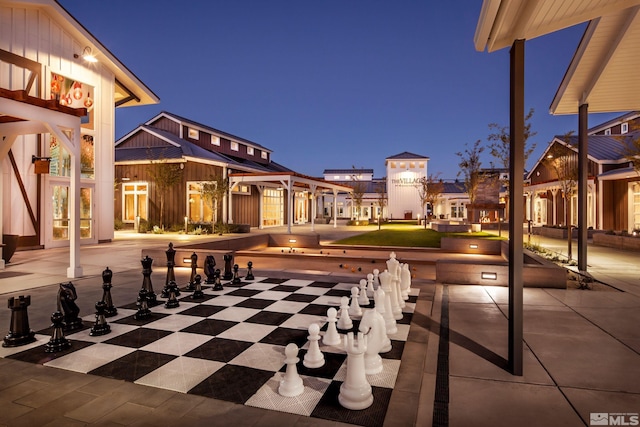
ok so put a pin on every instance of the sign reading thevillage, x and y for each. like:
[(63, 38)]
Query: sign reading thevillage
[(402, 182)]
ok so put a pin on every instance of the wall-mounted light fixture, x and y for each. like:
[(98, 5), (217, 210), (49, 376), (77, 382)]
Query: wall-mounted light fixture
[(87, 55), (489, 276)]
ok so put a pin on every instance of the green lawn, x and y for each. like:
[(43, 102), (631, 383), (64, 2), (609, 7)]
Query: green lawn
[(406, 235)]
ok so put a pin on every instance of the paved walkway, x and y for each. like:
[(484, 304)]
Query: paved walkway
[(582, 351)]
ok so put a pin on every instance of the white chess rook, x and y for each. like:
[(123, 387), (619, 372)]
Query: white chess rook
[(291, 385), (355, 391)]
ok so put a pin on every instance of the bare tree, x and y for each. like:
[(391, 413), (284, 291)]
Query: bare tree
[(381, 191), (630, 148), (357, 195), (164, 175), (470, 164), (564, 164), (213, 192), (429, 190)]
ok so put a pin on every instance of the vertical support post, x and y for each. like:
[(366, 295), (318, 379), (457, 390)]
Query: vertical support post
[(516, 173), (335, 208), (260, 206), (289, 205), (314, 202), (583, 142), (74, 270)]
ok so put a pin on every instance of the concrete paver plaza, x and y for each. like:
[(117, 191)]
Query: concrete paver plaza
[(581, 347)]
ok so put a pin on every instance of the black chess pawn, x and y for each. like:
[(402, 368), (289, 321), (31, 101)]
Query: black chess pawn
[(146, 281), (194, 265), (217, 283), (109, 309), (236, 276), (143, 308), (172, 302), (197, 293), (58, 342), (210, 269), (228, 275), (19, 331), (249, 275), (100, 327)]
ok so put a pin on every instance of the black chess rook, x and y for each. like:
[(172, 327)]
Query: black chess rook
[(19, 331)]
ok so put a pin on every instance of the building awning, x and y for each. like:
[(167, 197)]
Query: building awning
[(278, 179), (622, 173)]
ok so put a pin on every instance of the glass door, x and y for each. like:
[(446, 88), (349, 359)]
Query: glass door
[(61, 220)]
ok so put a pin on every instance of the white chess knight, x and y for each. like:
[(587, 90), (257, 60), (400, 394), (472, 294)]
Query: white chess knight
[(373, 327), (388, 284), (355, 391), (291, 384), (383, 306)]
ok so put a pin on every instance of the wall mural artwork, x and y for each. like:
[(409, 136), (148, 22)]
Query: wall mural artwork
[(74, 94)]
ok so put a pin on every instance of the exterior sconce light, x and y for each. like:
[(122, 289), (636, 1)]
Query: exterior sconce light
[(87, 55)]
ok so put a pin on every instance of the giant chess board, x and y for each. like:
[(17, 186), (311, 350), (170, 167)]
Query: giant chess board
[(229, 345)]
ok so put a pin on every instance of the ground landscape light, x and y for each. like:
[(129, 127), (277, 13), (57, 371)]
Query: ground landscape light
[(490, 276), (473, 246)]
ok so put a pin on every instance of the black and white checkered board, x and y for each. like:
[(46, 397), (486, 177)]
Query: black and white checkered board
[(230, 346)]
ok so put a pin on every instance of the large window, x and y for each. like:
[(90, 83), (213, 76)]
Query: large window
[(135, 202), (61, 220), (60, 164), (635, 205), (199, 209), (272, 207)]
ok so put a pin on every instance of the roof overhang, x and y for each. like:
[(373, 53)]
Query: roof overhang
[(604, 70), (278, 179), (501, 22)]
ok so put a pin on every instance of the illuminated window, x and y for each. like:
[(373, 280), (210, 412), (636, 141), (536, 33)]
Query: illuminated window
[(624, 128), (135, 202), (250, 151), (263, 155), (421, 165), (607, 131), (412, 165), (215, 140), (200, 206), (393, 165), (235, 146), (193, 133)]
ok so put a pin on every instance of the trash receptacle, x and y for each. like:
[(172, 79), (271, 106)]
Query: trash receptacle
[(10, 244)]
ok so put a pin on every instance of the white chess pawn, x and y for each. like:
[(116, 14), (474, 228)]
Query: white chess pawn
[(376, 279), (370, 288), (291, 384), (332, 337), (362, 297), (354, 308), (314, 357), (344, 322)]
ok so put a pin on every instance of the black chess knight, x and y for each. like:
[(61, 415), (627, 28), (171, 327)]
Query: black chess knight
[(210, 269), (67, 305)]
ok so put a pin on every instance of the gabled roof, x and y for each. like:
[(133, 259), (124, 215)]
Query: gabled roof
[(453, 187), (177, 148), (405, 155), (206, 128), (613, 122), (347, 171)]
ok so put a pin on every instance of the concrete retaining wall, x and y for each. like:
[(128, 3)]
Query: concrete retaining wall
[(471, 245), (620, 242)]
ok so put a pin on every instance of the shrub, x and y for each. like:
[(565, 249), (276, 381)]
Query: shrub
[(118, 224), (143, 226)]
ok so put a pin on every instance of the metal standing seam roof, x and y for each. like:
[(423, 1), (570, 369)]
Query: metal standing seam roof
[(605, 148), (405, 155)]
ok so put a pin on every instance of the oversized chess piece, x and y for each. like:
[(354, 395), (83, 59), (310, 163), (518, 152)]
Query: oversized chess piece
[(100, 327), (67, 305), (331, 337), (192, 278), (373, 327), (363, 300), (171, 275), (405, 281), (291, 384), (236, 276), (354, 308), (109, 309), (58, 342), (383, 305), (370, 288), (228, 260), (249, 275), (172, 302), (197, 293), (146, 281), (19, 331), (387, 284), (314, 357), (218, 284), (210, 269), (376, 279), (355, 391), (344, 322), (143, 308)]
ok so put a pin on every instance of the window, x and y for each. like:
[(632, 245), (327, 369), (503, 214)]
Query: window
[(412, 165), (607, 131), (135, 201), (624, 128), (264, 155), (193, 133), (215, 140), (241, 189), (272, 207), (250, 151), (234, 146), (87, 157), (393, 165), (199, 206), (635, 205)]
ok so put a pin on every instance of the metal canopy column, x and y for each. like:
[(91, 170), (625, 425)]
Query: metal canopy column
[(516, 173), (583, 140), (312, 189), (335, 208)]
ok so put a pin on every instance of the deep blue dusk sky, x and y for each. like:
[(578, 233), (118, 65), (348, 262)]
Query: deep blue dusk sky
[(332, 83)]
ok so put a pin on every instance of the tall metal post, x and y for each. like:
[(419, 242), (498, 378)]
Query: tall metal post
[(583, 142), (516, 209)]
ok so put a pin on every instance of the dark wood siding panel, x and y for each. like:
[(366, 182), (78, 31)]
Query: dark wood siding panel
[(143, 139), (167, 125), (620, 204), (245, 208)]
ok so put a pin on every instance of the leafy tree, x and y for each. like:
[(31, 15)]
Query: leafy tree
[(164, 175), (630, 148), (563, 162), (213, 192), (470, 165)]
